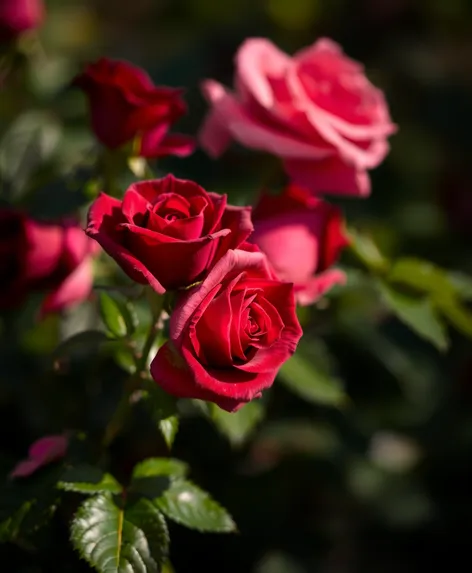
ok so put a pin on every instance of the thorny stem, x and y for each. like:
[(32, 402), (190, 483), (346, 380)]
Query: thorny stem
[(122, 411)]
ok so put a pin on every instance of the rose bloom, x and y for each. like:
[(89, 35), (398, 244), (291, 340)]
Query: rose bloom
[(167, 232), (125, 105), (315, 110), (229, 335), (40, 256), (18, 16), (44, 451), (302, 237)]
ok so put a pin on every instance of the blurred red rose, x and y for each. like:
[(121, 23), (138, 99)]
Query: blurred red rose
[(229, 335), (167, 232), (125, 105), (302, 237), (315, 110), (17, 16), (36, 256)]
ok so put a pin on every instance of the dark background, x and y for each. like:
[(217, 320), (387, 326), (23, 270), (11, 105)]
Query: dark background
[(383, 485)]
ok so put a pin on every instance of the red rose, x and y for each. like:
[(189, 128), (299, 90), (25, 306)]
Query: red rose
[(41, 256), (125, 105), (302, 237), (167, 232), (17, 16), (229, 335), (315, 110)]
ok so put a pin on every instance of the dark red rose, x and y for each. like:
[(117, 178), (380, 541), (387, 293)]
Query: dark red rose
[(230, 334), (167, 232), (125, 105), (38, 256), (17, 16), (302, 237)]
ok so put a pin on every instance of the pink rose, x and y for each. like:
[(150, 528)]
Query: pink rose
[(41, 453), (52, 257), (302, 237), (229, 335), (167, 232), (18, 16), (125, 105), (315, 110)]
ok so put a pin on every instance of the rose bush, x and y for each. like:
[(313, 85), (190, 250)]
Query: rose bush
[(125, 105), (229, 335), (167, 232), (302, 237), (43, 256), (315, 110), (18, 16)]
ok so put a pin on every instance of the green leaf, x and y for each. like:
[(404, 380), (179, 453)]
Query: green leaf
[(303, 378), (120, 538), (89, 480), (418, 313), (422, 276), (160, 467), (169, 428), (27, 505), (29, 142), (112, 315), (192, 507), (457, 314), (237, 426), (365, 249), (462, 284), (82, 342)]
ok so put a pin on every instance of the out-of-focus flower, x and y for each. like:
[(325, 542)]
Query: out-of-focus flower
[(302, 237), (126, 106), (315, 110), (41, 453)]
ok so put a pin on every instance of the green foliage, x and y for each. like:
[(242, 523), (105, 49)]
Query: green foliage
[(88, 480), (27, 504), (160, 467), (83, 342), (312, 381), (163, 409), (115, 536), (29, 142), (169, 428), (418, 313), (192, 507), (237, 426), (117, 314), (366, 250)]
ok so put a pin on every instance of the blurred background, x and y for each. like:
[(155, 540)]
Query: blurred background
[(382, 483)]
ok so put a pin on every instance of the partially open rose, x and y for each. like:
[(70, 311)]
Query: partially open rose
[(315, 110), (229, 335), (167, 232), (302, 237), (126, 106)]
